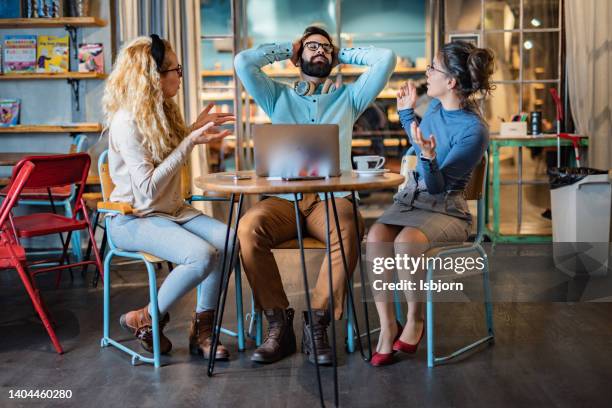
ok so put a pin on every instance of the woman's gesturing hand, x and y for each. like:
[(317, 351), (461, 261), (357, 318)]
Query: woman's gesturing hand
[(217, 118), (406, 96), (208, 133), (427, 146)]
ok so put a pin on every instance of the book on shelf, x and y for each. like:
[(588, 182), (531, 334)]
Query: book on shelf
[(19, 54), (9, 112), (91, 58), (53, 54), (10, 8), (39, 8)]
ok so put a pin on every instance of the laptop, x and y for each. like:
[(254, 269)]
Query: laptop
[(296, 151)]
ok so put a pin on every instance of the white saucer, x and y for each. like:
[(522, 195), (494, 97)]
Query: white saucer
[(371, 173)]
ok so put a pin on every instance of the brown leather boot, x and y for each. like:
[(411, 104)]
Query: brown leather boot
[(280, 340), (139, 323), (200, 336), (319, 327)]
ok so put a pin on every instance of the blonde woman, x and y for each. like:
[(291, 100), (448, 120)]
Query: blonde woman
[(148, 143)]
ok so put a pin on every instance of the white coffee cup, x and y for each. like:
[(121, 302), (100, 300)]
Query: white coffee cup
[(369, 162)]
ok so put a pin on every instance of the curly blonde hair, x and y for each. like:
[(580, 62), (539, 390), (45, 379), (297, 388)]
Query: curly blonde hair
[(134, 85)]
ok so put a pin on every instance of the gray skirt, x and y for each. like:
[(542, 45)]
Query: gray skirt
[(441, 217)]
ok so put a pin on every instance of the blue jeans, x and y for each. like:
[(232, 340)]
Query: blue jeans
[(195, 247)]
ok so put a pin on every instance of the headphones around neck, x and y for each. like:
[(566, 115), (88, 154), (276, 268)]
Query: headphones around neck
[(307, 88)]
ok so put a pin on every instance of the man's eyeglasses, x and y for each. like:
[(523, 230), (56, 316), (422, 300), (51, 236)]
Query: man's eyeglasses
[(179, 70), (432, 67), (314, 45)]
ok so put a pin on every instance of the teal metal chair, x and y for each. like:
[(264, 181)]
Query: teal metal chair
[(474, 191), (106, 207)]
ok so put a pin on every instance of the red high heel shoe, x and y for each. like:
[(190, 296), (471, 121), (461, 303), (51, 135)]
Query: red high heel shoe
[(382, 359), (399, 345)]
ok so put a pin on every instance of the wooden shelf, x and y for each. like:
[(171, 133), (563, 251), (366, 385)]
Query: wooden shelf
[(276, 73), (71, 128), (221, 97), (63, 75), (51, 22)]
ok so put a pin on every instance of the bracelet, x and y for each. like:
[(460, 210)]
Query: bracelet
[(427, 158)]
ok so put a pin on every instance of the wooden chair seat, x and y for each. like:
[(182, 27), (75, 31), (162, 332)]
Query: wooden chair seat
[(151, 258), (92, 200), (432, 252), (309, 243)]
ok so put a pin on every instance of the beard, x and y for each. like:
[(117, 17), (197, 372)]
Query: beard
[(317, 69)]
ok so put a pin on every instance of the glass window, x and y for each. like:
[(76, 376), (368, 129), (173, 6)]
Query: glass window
[(527, 53), (540, 14), (540, 55), (502, 15), (507, 55), (462, 15)]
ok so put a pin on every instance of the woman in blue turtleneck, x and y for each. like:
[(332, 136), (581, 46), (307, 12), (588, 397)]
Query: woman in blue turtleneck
[(431, 209)]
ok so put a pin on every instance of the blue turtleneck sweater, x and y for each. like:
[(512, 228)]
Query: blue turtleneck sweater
[(461, 140)]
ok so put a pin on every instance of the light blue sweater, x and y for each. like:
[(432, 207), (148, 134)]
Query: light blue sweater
[(342, 106)]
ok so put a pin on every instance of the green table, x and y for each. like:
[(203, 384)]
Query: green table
[(496, 142)]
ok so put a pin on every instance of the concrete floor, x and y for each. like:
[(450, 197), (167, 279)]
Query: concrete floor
[(552, 347), (546, 353)]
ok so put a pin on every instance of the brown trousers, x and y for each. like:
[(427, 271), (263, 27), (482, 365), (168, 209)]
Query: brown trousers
[(271, 222)]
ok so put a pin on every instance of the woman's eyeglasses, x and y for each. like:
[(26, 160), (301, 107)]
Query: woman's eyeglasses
[(314, 45), (179, 70), (432, 67)]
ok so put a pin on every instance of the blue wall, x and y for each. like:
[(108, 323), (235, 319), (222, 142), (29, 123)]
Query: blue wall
[(47, 102), (284, 20)]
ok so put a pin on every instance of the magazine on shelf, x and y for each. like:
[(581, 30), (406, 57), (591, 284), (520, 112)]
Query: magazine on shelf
[(19, 54), (91, 58), (53, 54), (9, 112)]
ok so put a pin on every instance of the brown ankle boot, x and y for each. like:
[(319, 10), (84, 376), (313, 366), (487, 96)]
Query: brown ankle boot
[(200, 336), (320, 323), (280, 341), (139, 323)]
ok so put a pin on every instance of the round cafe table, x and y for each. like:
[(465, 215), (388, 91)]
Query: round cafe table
[(350, 183)]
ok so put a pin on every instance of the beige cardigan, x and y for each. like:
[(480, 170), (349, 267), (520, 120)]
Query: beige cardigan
[(151, 190)]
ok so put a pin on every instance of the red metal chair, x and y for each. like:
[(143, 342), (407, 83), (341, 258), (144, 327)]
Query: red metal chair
[(50, 172), (61, 198), (12, 254)]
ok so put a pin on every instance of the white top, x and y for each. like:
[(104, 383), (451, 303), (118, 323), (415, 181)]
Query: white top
[(151, 190)]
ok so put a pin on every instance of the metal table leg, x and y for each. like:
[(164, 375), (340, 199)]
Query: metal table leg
[(298, 223), (224, 282), (347, 272), (362, 275), (331, 288)]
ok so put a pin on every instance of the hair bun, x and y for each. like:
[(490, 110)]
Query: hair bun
[(480, 64)]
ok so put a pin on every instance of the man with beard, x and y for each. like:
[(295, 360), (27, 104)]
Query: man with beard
[(312, 100)]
